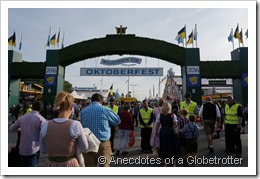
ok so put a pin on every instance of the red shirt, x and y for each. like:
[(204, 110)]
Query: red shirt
[(126, 121)]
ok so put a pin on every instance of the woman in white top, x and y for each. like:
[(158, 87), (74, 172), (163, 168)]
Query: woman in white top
[(61, 136)]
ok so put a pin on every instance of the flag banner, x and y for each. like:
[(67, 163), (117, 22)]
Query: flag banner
[(58, 38), (246, 34), (241, 37), (237, 34), (182, 32), (230, 37), (20, 44), (48, 40), (52, 41), (190, 41), (179, 39), (111, 90), (195, 33), (12, 40), (121, 71)]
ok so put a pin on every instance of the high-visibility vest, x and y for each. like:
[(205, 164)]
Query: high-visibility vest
[(115, 108), (146, 116), (190, 107), (231, 114), (22, 112)]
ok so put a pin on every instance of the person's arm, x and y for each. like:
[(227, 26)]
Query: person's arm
[(201, 112), (151, 119), (15, 126), (114, 119), (218, 115), (42, 135), (197, 131), (141, 119), (157, 128), (240, 116), (130, 121), (77, 131)]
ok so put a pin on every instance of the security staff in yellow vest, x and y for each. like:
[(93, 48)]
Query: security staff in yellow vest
[(233, 120), (189, 105), (114, 108), (146, 121)]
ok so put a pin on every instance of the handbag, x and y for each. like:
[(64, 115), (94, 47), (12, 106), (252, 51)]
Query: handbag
[(93, 142), (131, 140)]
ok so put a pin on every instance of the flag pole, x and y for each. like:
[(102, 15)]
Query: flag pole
[(196, 34), (242, 37), (185, 37), (50, 38), (238, 38), (192, 39), (232, 38), (62, 44)]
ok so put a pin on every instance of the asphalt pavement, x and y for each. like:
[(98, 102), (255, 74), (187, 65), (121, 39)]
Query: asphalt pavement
[(137, 159)]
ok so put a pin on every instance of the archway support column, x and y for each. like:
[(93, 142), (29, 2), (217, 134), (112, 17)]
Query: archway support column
[(53, 79), (191, 79), (240, 85)]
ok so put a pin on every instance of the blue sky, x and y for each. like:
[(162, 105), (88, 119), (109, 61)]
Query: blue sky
[(80, 24), (82, 20)]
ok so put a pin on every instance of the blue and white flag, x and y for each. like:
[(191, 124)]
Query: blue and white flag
[(195, 33), (179, 39), (230, 37)]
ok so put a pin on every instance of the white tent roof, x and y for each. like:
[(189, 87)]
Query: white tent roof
[(88, 94)]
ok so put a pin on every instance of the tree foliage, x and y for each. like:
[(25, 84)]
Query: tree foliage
[(67, 86)]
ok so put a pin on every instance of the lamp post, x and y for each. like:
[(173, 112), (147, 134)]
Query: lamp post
[(128, 65), (133, 89)]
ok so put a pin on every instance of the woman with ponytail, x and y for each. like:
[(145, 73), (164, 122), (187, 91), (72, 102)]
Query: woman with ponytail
[(61, 136)]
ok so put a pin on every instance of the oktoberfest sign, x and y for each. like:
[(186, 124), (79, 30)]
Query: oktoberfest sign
[(121, 61), (121, 71)]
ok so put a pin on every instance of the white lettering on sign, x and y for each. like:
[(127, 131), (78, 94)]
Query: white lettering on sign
[(51, 70), (121, 72), (193, 70)]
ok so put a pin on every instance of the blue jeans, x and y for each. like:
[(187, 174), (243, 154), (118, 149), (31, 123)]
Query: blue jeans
[(31, 160), (123, 134)]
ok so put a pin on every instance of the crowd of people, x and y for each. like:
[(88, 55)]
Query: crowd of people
[(168, 129)]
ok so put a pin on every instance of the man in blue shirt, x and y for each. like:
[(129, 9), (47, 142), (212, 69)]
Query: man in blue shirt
[(99, 119)]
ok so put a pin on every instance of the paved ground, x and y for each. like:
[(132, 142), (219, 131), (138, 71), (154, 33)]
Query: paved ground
[(137, 159)]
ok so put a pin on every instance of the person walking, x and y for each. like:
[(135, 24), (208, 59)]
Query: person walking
[(155, 139), (114, 108), (219, 126), (190, 105), (210, 115), (23, 110), (191, 132), (233, 119), (30, 125), (62, 136), (146, 120), (124, 129), (182, 121), (135, 111), (169, 147), (99, 120)]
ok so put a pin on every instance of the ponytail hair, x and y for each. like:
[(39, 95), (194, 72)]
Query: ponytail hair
[(63, 101)]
